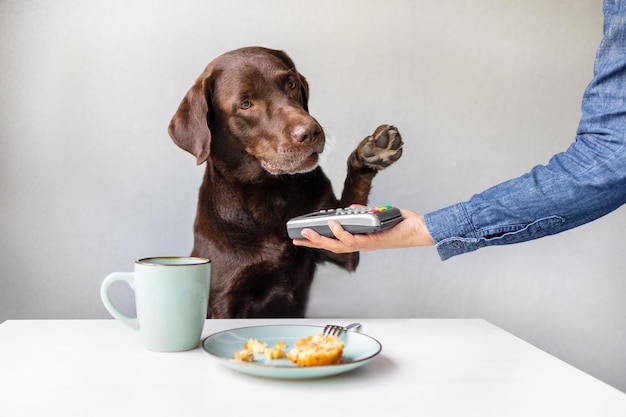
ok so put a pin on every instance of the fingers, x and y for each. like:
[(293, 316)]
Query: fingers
[(344, 242), (347, 239)]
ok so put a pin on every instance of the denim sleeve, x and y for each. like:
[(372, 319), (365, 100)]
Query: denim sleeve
[(582, 184)]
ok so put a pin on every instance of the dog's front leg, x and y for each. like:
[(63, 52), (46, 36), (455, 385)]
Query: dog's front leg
[(374, 153)]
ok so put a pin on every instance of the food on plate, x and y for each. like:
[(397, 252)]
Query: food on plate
[(316, 350), (275, 352), (252, 346), (244, 355), (255, 346), (307, 351)]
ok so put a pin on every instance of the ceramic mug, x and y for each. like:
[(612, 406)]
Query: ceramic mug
[(171, 296)]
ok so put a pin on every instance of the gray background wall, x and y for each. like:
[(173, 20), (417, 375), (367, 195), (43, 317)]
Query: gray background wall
[(481, 91)]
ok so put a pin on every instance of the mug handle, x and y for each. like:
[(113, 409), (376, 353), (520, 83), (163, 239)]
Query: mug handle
[(106, 300)]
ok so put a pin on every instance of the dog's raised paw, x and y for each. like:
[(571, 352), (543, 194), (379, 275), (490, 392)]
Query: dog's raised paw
[(382, 148)]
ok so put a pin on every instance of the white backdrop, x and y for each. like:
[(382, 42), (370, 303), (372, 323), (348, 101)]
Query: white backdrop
[(481, 91)]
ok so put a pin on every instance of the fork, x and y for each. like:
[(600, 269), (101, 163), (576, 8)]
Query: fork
[(332, 329)]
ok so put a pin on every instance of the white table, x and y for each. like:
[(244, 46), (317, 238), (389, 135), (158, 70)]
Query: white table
[(428, 367)]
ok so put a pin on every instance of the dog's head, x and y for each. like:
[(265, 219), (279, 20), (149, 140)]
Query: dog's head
[(248, 110)]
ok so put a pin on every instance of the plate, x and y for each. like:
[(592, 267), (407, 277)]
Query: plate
[(358, 350)]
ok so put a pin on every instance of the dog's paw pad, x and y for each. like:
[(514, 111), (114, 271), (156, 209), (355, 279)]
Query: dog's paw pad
[(383, 148)]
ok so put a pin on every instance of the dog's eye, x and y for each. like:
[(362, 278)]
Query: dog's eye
[(292, 84), (245, 105)]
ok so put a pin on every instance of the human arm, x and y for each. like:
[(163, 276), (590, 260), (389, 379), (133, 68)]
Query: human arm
[(577, 186)]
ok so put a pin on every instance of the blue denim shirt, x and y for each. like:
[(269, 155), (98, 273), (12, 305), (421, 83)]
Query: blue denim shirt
[(585, 182)]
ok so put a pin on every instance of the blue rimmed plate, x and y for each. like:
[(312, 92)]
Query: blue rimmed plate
[(359, 349)]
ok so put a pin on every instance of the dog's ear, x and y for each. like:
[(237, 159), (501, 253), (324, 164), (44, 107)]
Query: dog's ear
[(189, 127), (304, 90)]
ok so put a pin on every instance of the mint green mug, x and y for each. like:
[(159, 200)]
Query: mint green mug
[(171, 296)]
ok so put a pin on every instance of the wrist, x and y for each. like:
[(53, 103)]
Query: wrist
[(422, 236)]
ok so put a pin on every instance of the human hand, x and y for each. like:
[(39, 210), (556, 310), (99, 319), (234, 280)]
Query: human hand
[(411, 231)]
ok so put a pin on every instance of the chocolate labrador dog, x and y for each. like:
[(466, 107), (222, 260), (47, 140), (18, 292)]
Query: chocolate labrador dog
[(247, 118)]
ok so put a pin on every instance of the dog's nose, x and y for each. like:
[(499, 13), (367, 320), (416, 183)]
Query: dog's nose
[(306, 132)]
